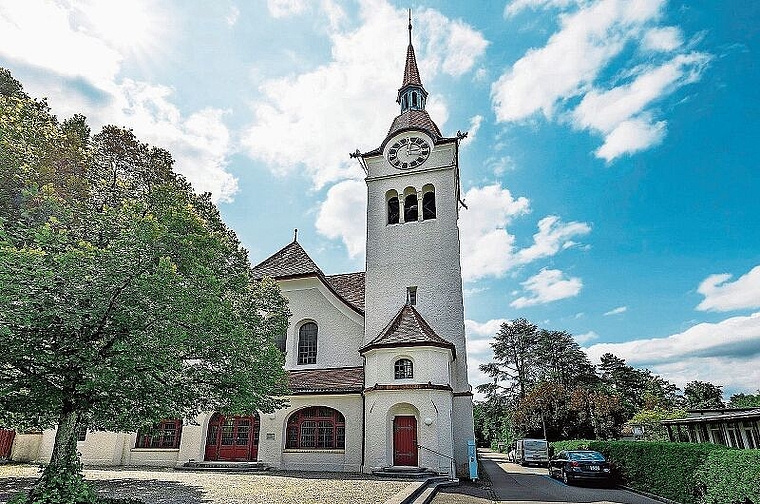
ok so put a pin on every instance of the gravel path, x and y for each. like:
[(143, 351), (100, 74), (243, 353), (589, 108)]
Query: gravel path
[(167, 486)]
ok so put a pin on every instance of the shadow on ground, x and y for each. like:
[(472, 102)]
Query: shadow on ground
[(149, 491)]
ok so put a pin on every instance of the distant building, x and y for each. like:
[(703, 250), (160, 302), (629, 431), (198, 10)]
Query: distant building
[(377, 359), (735, 427)]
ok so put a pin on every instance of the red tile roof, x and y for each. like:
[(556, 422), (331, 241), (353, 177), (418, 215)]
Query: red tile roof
[(292, 261), (415, 119), (408, 328), (411, 72), (350, 286), (326, 381)]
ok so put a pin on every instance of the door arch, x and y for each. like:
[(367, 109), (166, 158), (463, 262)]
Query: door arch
[(405, 440), (232, 438)]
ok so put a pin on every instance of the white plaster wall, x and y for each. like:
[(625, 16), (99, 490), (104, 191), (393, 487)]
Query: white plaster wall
[(425, 254), (382, 406), (26, 447), (103, 448), (192, 445), (429, 364), (46, 446), (272, 438), (156, 457), (340, 329), (464, 432)]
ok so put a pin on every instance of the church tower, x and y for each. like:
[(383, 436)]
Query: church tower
[(414, 339)]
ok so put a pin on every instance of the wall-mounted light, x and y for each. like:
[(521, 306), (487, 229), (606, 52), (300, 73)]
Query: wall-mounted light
[(428, 421)]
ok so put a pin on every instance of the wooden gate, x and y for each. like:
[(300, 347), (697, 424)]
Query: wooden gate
[(6, 443), (405, 441), (232, 438)]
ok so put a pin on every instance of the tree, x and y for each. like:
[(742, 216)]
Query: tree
[(745, 400), (650, 419), (126, 299), (513, 367), (703, 395)]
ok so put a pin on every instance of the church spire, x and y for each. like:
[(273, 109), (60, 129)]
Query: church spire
[(411, 95)]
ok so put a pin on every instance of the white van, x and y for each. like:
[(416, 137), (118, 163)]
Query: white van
[(532, 451)]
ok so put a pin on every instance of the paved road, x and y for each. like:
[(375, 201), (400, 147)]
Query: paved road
[(511, 483)]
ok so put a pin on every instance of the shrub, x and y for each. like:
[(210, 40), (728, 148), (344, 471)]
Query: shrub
[(662, 468), (730, 476)]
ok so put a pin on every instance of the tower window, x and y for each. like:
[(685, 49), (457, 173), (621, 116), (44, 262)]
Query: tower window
[(414, 99), (403, 369), (410, 208), (393, 211), (428, 206), (307, 343), (411, 295)]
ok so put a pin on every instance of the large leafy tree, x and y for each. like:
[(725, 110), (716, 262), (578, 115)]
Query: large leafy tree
[(745, 400), (125, 299), (703, 395)]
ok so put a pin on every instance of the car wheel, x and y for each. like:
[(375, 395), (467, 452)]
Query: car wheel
[(551, 473), (565, 478)]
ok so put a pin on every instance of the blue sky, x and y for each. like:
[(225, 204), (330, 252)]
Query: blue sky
[(610, 169)]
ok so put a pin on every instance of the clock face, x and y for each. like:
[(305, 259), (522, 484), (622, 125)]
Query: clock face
[(407, 153)]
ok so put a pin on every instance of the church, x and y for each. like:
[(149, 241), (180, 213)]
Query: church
[(376, 359)]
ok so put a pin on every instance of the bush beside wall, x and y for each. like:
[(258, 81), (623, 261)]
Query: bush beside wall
[(663, 468), (730, 476)]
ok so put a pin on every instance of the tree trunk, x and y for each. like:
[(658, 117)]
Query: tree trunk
[(62, 481)]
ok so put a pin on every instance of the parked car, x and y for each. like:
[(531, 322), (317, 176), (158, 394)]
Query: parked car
[(579, 465), (532, 451)]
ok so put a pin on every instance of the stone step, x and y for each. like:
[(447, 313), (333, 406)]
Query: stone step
[(223, 465), (406, 472)]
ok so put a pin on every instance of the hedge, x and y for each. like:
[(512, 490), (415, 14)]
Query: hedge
[(671, 470), (730, 476)]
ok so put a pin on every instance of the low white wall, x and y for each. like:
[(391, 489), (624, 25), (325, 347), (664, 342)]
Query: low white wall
[(26, 447)]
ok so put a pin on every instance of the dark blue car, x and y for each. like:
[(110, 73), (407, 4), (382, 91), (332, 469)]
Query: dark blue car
[(579, 465)]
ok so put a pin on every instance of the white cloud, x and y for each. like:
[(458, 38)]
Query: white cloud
[(616, 311), (485, 243), (232, 16), (479, 351), (285, 8), (472, 132), (547, 286), (725, 353), (722, 295), (297, 131), (488, 249), (343, 215), (488, 329), (549, 79), (110, 34), (553, 235), (582, 339), (667, 38)]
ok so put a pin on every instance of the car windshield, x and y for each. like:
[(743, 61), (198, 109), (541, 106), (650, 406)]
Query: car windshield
[(535, 445), (590, 455)]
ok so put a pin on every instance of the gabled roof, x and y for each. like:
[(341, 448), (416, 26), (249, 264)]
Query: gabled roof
[(408, 328), (292, 261), (327, 381), (350, 286)]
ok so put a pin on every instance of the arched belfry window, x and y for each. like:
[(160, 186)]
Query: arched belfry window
[(410, 208), (403, 369), (393, 207), (307, 343), (414, 99), (316, 428), (428, 202)]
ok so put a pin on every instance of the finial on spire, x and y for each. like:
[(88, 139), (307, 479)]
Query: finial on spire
[(295, 235), (410, 26)]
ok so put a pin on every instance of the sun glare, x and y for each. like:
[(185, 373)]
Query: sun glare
[(127, 26)]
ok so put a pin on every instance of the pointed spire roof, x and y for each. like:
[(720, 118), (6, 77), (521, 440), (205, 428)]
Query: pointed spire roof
[(411, 72), (408, 328)]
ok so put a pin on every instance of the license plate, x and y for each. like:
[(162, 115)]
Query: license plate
[(593, 468)]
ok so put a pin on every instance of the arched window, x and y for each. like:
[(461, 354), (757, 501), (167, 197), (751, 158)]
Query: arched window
[(410, 208), (414, 99), (316, 428), (403, 369), (428, 205), (393, 211), (307, 343), (165, 434)]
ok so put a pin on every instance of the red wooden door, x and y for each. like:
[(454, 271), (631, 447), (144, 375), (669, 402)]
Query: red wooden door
[(6, 442), (405, 441), (232, 438)]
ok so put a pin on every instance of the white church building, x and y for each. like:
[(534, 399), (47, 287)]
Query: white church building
[(377, 359)]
